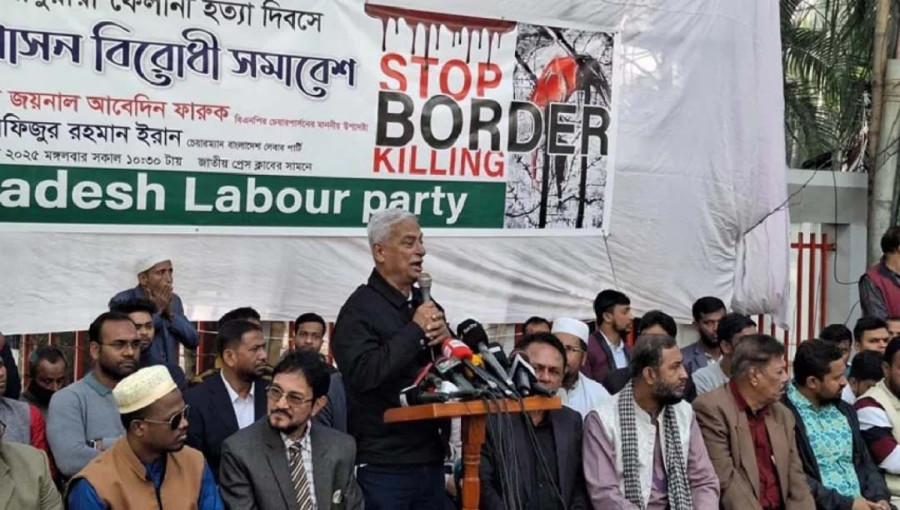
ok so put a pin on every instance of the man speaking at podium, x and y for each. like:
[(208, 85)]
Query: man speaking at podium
[(382, 338)]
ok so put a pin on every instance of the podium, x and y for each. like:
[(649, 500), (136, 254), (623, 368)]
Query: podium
[(474, 418)]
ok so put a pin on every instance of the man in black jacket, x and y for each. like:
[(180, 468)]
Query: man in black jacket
[(840, 472), (382, 338), (546, 464)]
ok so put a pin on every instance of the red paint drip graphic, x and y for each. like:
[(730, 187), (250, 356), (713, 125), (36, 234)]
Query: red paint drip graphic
[(437, 21)]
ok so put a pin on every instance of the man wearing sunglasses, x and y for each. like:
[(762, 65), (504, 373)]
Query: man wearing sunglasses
[(284, 461), (151, 463)]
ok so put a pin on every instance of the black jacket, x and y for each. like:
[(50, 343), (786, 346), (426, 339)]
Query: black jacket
[(13, 382), (379, 350), (871, 482), (567, 430), (211, 419)]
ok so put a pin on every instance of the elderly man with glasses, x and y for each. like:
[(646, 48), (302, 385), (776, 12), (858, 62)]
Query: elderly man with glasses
[(151, 463), (285, 461)]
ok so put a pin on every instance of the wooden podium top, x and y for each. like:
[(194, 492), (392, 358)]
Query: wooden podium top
[(468, 408)]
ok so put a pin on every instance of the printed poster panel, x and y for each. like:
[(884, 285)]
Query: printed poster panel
[(300, 118)]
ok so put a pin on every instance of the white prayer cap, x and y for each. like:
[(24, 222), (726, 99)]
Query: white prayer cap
[(146, 262), (143, 388), (571, 326)]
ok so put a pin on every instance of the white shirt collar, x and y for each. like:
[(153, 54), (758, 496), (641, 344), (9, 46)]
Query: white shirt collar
[(612, 347), (304, 441), (233, 395)]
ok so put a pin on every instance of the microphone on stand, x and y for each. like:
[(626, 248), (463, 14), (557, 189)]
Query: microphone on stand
[(497, 350), (448, 370), (472, 333), (524, 376), (414, 395), (458, 350)]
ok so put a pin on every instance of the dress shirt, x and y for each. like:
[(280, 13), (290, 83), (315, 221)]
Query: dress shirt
[(82, 495), (306, 455), (769, 491), (243, 407), (618, 352), (832, 443)]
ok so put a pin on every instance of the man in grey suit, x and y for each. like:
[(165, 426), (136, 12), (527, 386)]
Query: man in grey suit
[(282, 461)]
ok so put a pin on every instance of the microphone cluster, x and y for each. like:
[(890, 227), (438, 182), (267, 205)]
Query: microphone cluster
[(472, 367)]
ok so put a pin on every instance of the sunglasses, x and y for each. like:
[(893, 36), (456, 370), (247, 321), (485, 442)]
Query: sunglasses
[(175, 421)]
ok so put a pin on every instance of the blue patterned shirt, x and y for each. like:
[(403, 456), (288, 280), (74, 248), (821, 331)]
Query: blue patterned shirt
[(832, 443)]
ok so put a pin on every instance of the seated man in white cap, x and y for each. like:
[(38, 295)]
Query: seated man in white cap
[(150, 467), (580, 393), (154, 276)]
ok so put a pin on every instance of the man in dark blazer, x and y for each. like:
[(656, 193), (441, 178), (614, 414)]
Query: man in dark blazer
[(838, 467), (558, 438), (233, 399), (284, 461)]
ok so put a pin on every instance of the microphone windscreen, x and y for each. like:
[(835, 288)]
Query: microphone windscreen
[(453, 348), (472, 333)]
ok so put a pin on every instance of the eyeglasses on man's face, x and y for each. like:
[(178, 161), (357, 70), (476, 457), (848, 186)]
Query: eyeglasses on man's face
[(294, 399)]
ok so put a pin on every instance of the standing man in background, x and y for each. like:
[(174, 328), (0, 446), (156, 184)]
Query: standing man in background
[(607, 350), (155, 278), (708, 312), (879, 286), (382, 338)]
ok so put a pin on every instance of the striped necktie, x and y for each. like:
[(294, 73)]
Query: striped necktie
[(299, 479)]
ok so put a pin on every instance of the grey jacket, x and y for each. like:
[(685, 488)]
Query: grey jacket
[(254, 472)]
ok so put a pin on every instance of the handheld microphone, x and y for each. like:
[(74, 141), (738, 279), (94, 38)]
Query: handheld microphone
[(523, 373), (425, 286), (473, 335)]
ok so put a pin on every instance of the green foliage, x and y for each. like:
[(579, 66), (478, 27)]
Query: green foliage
[(827, 58)]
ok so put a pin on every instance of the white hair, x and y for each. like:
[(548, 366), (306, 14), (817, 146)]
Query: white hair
[(382, 222)]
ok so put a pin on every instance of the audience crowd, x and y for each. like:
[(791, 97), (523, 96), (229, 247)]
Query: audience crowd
[(645, 425)]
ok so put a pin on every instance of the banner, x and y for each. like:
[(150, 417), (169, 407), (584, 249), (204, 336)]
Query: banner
[(300, 118)]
